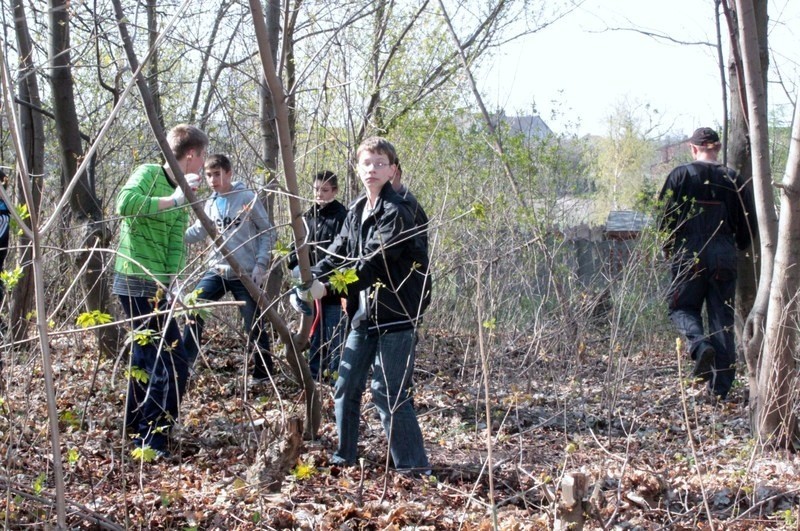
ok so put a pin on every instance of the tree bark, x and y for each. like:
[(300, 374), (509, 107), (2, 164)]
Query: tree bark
[(152, 64), (738, 157), (85, 206), (294, 343), (777, 421), (32, 143), (765, 400)]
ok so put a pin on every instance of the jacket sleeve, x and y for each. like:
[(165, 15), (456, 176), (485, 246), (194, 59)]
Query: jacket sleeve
[(336, 252), (747, 223), (196, 232), (670, 202), (135, 197), (265, 240)]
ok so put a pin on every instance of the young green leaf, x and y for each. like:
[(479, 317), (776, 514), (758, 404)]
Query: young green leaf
[(92, 318), (303, 471), (339, 279), (145, 453), (144, 337), (38, 484), (280, 250), (22, 211), (72, 456), (138, 374), (479, 211), (11, 277), (191, 300)]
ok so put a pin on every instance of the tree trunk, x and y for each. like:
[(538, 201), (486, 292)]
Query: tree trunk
[(768, 405), (32, 142), (738, 157), (271, 144), (152, 64), (294, 343), (777, 380), (85, 205), (270, 148)]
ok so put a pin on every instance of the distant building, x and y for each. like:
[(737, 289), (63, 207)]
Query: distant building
[(625, 224), (623, 228), (530, 126)]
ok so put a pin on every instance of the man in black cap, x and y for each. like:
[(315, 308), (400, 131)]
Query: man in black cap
[(708, 212)]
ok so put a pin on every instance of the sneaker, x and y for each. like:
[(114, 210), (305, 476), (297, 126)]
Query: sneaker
[(255, 381), (704, 364), (423, 473), (335, 460)]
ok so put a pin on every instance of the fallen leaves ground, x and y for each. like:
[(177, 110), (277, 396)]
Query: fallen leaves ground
[(624, 419)]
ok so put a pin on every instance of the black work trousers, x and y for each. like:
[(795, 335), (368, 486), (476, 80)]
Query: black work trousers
[(707, 278)]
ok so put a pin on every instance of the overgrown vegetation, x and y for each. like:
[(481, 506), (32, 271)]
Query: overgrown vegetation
[(538, 318)]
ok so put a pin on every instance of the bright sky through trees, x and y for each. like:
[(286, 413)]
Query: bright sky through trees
[(583, 65)]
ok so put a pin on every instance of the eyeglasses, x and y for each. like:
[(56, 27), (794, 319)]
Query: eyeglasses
[(376, 165)]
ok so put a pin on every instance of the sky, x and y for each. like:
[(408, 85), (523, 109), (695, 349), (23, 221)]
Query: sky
[(578, 69)]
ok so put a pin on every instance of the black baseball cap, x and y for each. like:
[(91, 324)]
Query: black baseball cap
[(705, 136)]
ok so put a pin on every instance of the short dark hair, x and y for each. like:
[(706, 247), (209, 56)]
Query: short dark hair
[(184, 137), (327, 176), (218, 161), (378, 144)]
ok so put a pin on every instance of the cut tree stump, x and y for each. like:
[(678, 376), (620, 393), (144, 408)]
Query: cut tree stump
[(570, 511), (277, 455)]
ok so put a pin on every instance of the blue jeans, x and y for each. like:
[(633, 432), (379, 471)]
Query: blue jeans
[(391, 358), (153, 405), (214, 286), (326, 341)]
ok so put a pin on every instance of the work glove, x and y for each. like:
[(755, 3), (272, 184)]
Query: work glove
[(178, 197), (258, 274), (298, 304), (312, 293)]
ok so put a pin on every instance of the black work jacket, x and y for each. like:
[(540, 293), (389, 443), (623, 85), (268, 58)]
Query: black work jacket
[(707, 204), (322, 227), (389, 259)]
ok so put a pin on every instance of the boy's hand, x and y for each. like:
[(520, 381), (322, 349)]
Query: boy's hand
[(299, 305), (258, 274), (193, 180), (314, 292), (178, 197)]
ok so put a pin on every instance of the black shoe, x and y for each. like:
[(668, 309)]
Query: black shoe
[(704, 364)]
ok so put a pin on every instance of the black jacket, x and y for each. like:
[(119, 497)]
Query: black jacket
[(389, 259), (322, 227), (707, 204), (420, 216)]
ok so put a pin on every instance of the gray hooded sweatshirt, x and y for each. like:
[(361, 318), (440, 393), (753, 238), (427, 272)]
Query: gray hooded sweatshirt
[(242, 221)]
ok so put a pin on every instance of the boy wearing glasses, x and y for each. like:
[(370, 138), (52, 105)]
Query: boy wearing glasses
[(385, 305)]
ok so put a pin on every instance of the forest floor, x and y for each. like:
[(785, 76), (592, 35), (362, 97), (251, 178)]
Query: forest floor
[(656, 451)]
